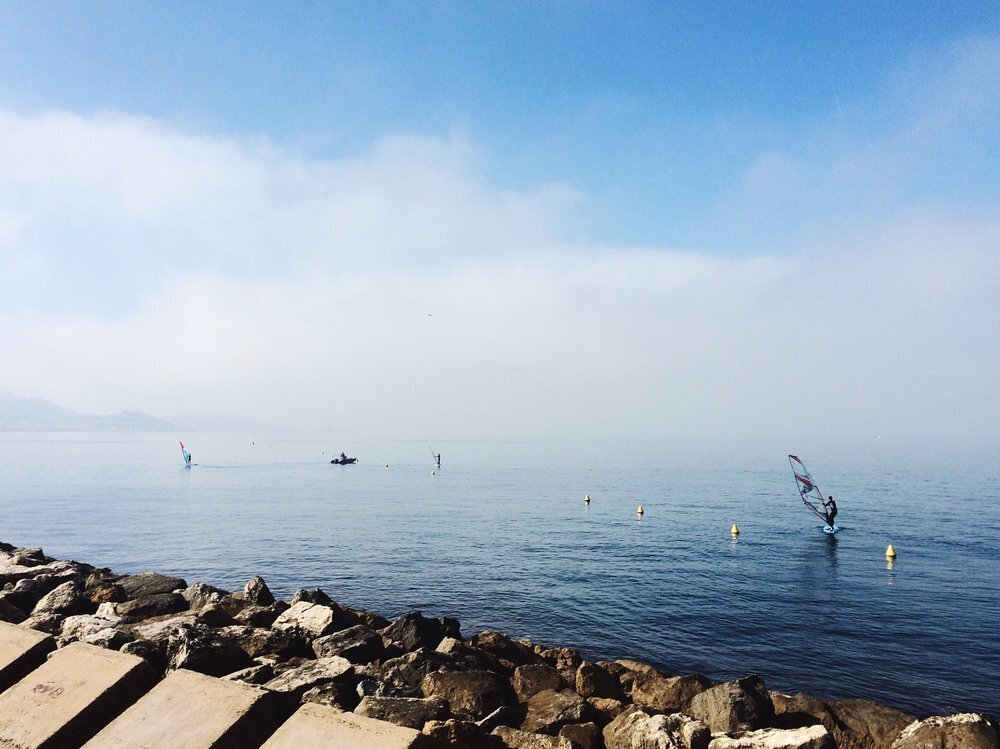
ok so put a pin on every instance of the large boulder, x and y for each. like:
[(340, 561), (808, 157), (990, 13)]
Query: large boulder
[(471, 695), (736, 706), (414, 630), (667, 694), (311, 620), (149, 584), (961, 731), (809, 737), (83, 626), (583, 735), (198, 648), (505, 648), (467, 657), (297, 681), (593, 680), (459, 734), (863, 724), (564, 660), (548, 711), (258, 641), (533, 678), (408, 671), (637, 729), (150, 606), (411, 712), (358, 644), (512, 738), (67, 599), (257, 592)]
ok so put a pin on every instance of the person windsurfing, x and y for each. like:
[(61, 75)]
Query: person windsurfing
[(831, 511), (186, 455), (437, 459)]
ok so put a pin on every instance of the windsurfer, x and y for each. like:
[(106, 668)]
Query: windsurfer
[(343, 456), (831, 511), (437, 459)]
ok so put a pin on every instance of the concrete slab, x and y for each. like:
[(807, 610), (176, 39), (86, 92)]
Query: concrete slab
[(22, 650), (320, 725), (70, 697), (188, 710)]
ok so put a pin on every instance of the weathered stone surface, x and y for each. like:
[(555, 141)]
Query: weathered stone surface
[(548, 711), (258, 641), (198, 648), (257, 592), (66, 599), (158, 630), (863, 724), (564, 660), (502, 716), (505, 648), (809, 737), (636, 729), (48, 623), (469, 658), (412, 712), (534, 678), (459, 734), (470, 694), (314, 673), (200, 595), (315, 725), (215, 615), (150, 584), (960, 731), (259, 674), (667, 694), (408, 671), (595, 681), (606, 710), (311, 620), (260, 616), (414, 630), (358, 644), (106, 593), (83, 625), (515, 739), (138, 608), (340, 696), (583, 735), (311, 595), (740, 705)]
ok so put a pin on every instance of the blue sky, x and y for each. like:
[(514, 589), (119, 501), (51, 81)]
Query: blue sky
[(690, 166)]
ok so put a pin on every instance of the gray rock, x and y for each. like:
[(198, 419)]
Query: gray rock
[(258, 641), (82, 626), (471, 695), (109, 639), (500, 645), (515, 739), (198, 648), (257, 592), (533, 678), (548, 711), (260, 616), (298, 680), (259, 674), (358, 644), (150, 584), (312, 595), (667, 694), (413, 630), (142, 607), (66, 599), (960, 731), (200, 595), (736, 706), (809, 737), (311, 620), (411, 712), (340, 696), (215, 615), (636, 729), (408, 671)]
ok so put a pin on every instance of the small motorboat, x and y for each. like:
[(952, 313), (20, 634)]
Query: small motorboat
[(344, 461)]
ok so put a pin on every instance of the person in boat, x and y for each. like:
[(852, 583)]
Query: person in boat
[(831, 511), (343, 457)]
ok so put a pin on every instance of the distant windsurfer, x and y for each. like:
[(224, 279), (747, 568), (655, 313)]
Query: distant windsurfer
[(437, 459), (343, 457), (831, 511)]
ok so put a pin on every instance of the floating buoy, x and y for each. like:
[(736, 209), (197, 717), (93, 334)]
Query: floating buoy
[(586, 498), (386, 465), (890, 553), (640, 510), (735, 530), (433, 473)]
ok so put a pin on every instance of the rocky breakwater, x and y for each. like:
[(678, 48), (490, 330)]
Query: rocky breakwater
[(487, 690)]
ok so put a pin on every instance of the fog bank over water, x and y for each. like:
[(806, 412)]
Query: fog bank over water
[(400, 291)]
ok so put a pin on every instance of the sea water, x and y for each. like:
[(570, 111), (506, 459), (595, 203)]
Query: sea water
[(500, 537)]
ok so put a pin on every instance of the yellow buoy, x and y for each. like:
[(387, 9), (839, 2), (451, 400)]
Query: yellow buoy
[(586, 498), (640, 510), (735, 530), (890, 553)]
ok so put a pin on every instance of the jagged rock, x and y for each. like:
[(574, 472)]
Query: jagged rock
[(138, 608), (201, 595), (960, 731), (414, 630), (200, 649), (371, 620), (459, 734), (215, 615), (298, 680), (14, 568), (260, 616), (358, 644), (505, 648), (258, 641), (312, 595), (863, 724), (411, 712), (594, 681), (373, 688), (583, 735), (106, 593), (808, 737), (636, 729), (150, 584), (82, 626), (548, 711), (48, 623), (158, 630), (66, 599), (469, 658), (408, 671), (110, 639), (606, 710), (564, 660), (340, 696), (28, 591), (515, 739), (533, 678), (311, 620), (740, 705), (257, 592), (667, 694), (259, 674), (154, 653), (470, 694)]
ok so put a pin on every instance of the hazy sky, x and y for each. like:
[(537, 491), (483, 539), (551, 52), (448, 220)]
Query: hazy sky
[(507, 220)]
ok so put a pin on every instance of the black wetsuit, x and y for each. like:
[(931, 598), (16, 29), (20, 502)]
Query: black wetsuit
[(831, 513)]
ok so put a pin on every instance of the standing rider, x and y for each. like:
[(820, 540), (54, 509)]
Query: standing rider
[(831, 511)]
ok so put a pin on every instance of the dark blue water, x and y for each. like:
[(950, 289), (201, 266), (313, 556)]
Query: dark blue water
[(500, 538)]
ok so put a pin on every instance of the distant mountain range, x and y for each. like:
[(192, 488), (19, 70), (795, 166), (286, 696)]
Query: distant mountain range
[(37, 415)]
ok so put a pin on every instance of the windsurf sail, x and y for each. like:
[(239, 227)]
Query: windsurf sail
[(186, 455), (812, 497)]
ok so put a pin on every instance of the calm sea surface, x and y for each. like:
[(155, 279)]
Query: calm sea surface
[(500, 538)]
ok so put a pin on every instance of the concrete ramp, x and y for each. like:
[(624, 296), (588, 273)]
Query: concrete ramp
[(70, 697), (321, 726), (188, 710), (21, 651)]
